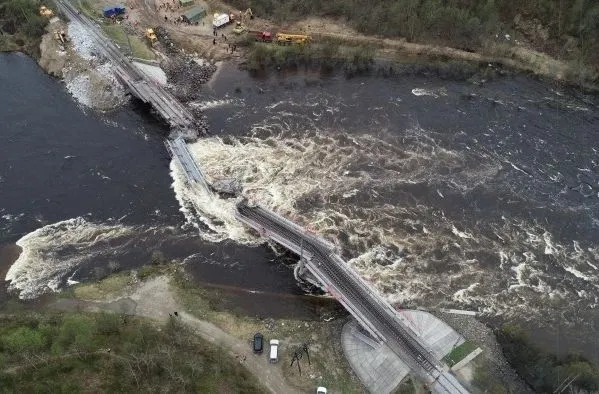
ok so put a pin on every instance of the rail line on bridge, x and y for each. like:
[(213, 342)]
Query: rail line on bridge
[(374, 314), (180, 119)]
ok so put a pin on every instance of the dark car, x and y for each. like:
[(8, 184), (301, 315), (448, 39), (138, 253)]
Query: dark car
[(258, 343)]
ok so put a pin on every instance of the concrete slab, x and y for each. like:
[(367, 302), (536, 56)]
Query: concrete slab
[(377, 366), (467, 359), (440, 337)]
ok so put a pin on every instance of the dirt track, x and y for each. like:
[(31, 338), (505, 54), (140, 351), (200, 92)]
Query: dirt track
[(154, 299)]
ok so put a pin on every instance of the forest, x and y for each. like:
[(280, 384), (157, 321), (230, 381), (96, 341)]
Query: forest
[(566, 29)]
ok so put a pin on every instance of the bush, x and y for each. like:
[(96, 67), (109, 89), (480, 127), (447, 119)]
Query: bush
[(23, 340), (542, 370), (464, 24)]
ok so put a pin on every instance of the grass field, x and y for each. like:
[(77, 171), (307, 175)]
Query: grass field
[(459, 353), (134, 45)]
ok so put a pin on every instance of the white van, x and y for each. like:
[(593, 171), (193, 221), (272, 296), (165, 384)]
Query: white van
[(274, 351)]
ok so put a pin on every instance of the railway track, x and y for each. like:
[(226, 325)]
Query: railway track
[(399, 337), (169, 108)]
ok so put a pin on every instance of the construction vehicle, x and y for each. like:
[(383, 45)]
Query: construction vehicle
[(45, 11), (288, 39), (264, 36), (151, 36), (61, 36), (247, 14), (239, 28), (221, 20)]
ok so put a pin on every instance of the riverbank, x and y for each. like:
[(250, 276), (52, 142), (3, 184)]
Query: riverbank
[(156, 292), (334, 46)]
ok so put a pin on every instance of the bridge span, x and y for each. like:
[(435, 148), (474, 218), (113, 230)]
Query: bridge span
[(373, 313), (181, 120)]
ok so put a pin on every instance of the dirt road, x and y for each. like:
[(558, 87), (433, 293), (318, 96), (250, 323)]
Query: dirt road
[(154, 299)]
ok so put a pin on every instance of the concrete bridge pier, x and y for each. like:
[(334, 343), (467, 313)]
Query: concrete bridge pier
[(303, 275)]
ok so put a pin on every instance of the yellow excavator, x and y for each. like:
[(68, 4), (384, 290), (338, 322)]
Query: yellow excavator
[(61, 36), (151, 36), (45, 11), (242, 22)]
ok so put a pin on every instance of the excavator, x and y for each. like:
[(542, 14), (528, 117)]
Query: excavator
[(151, 36), (242, 22), (61, 36), (45, 11)]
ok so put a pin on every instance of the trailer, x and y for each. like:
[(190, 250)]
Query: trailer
[(221, 20)]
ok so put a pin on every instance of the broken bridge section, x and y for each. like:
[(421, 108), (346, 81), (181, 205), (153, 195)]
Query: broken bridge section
[(180, 119), (376, 316)]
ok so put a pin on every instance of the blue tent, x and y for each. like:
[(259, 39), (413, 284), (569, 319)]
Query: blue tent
[(113, 10)]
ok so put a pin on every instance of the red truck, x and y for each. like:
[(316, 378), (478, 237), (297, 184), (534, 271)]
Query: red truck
[(264, 36)]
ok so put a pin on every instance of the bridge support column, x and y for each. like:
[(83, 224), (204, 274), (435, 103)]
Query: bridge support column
[(301, 274)]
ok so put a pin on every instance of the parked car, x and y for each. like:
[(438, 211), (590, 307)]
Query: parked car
[(258, 343), (274, 351), (321, 390)]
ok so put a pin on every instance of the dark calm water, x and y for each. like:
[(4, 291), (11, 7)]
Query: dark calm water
[(443, 194)]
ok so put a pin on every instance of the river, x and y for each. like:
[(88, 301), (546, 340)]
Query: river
[(441, 193)]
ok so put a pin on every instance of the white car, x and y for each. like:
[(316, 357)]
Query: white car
[(274, 351), (321, 390)]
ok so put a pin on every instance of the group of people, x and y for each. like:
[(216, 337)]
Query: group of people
[(230, 47)]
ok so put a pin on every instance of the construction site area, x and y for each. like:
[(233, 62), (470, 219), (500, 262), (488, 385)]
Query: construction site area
[(208, 29)]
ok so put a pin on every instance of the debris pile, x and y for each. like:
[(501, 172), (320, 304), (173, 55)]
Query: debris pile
[(165, 41), (186, 76)]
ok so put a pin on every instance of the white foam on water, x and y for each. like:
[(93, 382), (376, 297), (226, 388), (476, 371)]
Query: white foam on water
[(461, 234), (205, 105), (577, 273), (52, 251), (429, 92), (462, 295), (212, 215)]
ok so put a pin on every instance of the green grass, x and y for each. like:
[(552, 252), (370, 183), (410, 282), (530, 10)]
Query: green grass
[(459, 353), (138, 47), (110, 286), (116, 33), (52, 352), (330, 366)]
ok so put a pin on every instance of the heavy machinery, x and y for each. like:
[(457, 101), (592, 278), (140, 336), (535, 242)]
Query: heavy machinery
[(151, 36), (288, 39), (45, 11), (247, 14), (242, 22), (60, 36), (264, 36), (239, 28)]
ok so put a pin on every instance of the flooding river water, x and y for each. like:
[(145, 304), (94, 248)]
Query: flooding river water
[(442, 194)]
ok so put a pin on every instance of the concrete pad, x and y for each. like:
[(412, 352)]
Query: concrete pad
[(466, 360), (439, 336), (378, 368)]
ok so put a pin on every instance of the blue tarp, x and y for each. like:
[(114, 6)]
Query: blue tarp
[(113, 10)]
